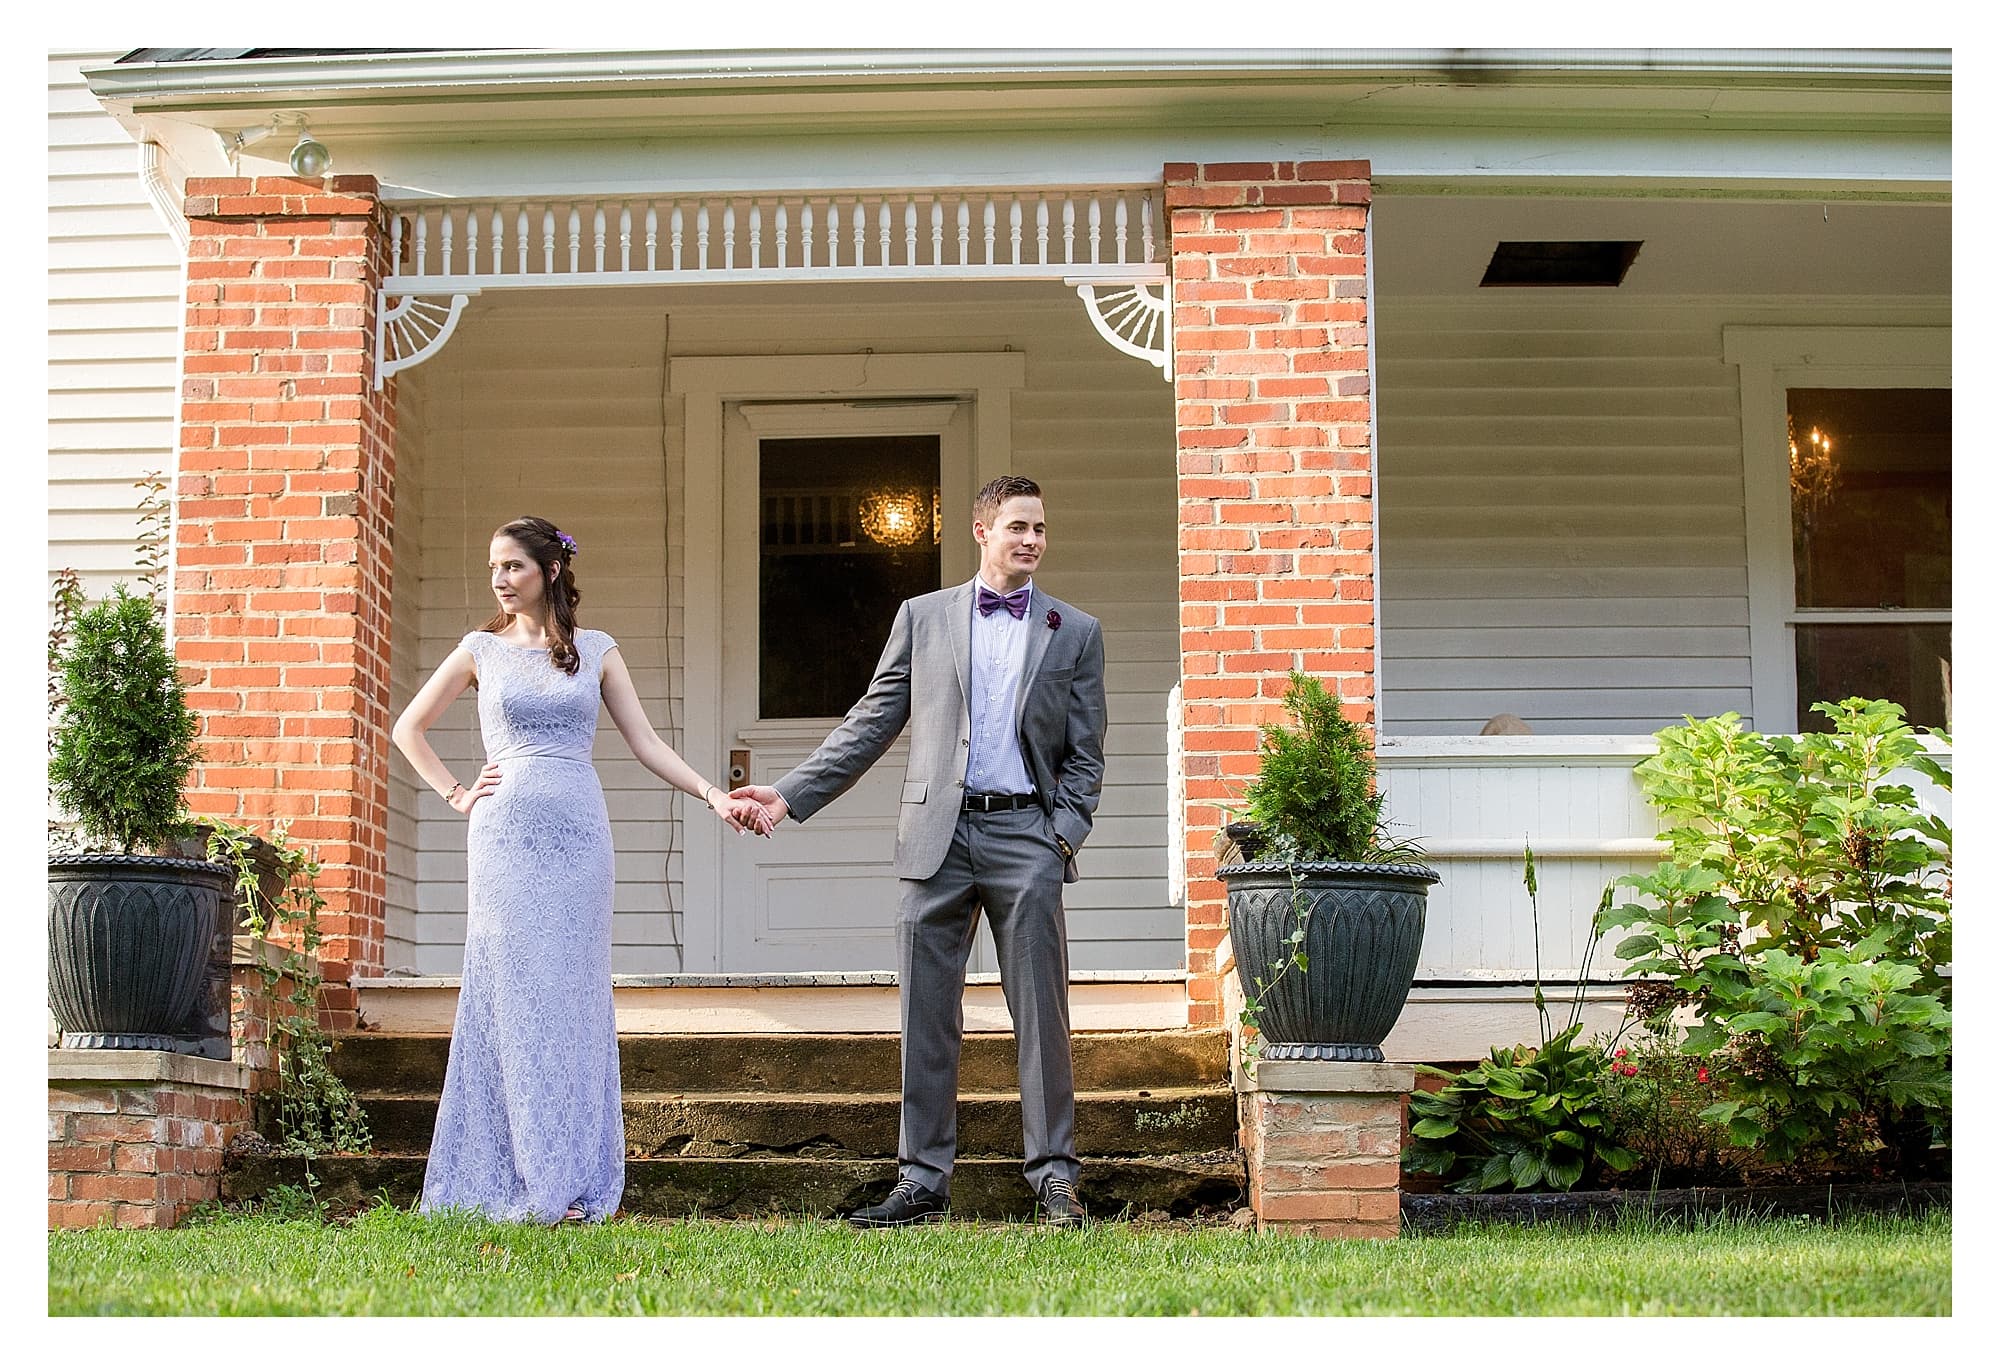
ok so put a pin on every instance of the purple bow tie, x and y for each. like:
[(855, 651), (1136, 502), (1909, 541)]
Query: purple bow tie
[(1016, 602)]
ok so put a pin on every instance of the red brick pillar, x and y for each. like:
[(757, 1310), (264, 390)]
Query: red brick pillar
[(1277, 516), (281, 556)]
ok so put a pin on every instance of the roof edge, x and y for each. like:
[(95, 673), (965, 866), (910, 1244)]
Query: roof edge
[(470, 72)]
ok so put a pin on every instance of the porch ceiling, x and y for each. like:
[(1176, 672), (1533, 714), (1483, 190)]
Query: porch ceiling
[(1431, 245)]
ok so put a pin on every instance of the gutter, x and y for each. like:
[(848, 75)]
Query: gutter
[(161, 86)]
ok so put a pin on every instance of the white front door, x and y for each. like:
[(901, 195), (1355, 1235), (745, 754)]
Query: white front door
[(833, 513)]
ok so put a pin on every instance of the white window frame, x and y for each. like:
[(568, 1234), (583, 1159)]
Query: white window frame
[(1771, 360)]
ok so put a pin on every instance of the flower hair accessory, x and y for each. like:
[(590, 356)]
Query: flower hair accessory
[(1055, 619), (568, 544)]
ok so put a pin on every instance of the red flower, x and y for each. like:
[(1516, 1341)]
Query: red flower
[(1055, 619), (1619, 1053), (1702, 1075)]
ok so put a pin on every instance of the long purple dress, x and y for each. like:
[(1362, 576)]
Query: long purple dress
[(530, 1122)]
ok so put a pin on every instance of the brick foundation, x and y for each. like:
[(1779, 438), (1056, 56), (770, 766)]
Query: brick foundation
[(1324, 1143), (136, 1138), (281, 556), (1275, 450)]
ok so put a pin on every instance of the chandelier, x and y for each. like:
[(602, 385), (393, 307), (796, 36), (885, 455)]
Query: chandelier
[(1813, 472), (897, 517)]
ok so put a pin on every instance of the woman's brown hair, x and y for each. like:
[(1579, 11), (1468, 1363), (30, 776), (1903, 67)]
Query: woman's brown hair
[(554, 551)]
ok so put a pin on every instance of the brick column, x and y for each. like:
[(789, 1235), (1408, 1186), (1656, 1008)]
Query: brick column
[(1275, 444), (1323, 1143), (281, 555)]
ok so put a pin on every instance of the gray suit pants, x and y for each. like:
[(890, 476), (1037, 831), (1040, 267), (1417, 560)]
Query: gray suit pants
[(1007, 863)]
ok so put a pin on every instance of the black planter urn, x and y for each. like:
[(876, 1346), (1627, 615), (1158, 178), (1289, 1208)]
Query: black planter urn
[(129, 945), (1364, 930)]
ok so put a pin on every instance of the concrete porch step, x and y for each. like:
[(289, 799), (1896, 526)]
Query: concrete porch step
[(791, 1186), (855, 1126), (381, 1063)]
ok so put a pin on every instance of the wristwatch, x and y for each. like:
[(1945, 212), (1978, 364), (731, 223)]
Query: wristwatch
[(1062, 846)]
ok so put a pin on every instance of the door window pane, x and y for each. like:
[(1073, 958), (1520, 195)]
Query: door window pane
[(1908, 664), (1871, 497), (849, 528)]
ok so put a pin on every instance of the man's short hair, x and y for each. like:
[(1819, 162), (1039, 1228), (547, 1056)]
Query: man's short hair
[(987, 502)]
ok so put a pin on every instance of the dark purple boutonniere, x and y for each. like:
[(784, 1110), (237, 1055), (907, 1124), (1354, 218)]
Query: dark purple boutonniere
[(1055, 619)]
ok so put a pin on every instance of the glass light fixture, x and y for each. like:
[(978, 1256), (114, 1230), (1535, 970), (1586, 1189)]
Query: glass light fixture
[(310, 159), (893, 516)]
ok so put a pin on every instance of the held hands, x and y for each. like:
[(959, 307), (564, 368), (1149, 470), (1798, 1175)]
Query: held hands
[(770, 806), (749, 817), (483, 786)]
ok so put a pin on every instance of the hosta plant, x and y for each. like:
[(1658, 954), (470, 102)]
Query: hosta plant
[(1525, 1118)]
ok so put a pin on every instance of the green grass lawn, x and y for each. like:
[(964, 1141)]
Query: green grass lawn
[(387, 1262)]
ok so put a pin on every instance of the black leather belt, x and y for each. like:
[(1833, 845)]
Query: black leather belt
[(989, 801)]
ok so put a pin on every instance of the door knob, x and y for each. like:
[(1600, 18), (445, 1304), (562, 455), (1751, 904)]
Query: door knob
[(739, 766)]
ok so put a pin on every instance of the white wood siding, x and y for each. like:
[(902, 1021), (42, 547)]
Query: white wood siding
[(556, 405), (114, 320), (1562, 531)]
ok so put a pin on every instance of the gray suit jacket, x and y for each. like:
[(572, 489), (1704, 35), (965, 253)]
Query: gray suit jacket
[(922, 681)]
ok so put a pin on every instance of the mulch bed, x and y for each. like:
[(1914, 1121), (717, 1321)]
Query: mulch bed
[(1436, 1212)]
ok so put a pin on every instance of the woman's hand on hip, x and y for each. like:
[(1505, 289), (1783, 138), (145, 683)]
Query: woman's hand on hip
[(485, 785)]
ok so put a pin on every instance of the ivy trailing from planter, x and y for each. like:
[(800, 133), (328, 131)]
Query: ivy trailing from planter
[(315, 1113)]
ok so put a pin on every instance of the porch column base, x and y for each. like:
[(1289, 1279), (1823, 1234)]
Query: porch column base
[(1324, 1142), (136, 1138)]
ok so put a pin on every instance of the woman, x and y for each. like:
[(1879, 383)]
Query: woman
[(530, 1126)]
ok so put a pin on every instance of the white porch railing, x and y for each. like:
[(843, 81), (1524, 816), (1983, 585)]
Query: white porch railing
[(1476, 803), (1106, 241), (1105, 232)]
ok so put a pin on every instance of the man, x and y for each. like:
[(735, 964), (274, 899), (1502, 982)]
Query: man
[(1002, 687)]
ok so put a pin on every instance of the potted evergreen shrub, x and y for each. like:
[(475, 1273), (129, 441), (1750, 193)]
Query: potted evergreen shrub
[(1326, 912), (130, 930)]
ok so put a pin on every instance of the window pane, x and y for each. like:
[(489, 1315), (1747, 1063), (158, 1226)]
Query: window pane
[(1871, 497), (1907, 664), (849, 529)]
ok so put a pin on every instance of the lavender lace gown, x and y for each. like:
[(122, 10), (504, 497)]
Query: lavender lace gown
[(530, 1121)]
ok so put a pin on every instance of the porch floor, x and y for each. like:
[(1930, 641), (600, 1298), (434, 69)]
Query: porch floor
[(797, 1002)]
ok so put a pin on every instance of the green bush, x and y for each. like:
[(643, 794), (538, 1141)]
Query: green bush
[(125, 743), (1803, 913), (1314, 797)]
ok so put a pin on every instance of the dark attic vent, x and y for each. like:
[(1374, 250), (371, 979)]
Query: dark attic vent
[(1559, 265)]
